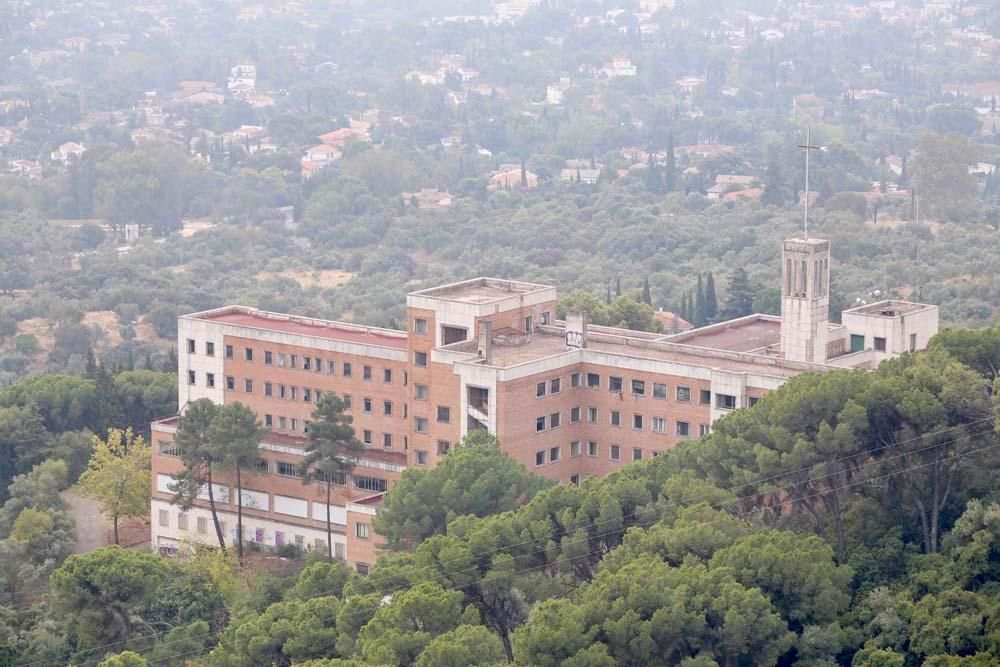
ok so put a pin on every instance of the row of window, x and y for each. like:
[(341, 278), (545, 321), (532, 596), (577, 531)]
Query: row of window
[(578, 447), (657, 424)]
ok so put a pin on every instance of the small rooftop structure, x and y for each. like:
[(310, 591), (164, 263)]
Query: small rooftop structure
[(889, 308), (482, 290)]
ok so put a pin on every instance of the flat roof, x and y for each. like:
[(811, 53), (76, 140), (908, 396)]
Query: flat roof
[(304, 326), (742, 335), (889, 308), (509, 351), (481, 290)]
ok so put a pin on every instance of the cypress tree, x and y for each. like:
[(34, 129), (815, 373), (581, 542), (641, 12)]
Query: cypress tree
[(618, 286), (669, 175), (607, 299), (684, 308), (699, 303), (711, 300), (647, 294)]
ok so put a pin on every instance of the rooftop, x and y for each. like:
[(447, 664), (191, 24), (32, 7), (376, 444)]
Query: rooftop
[(481, 290), (745, 334), (252, 318), (889, 308)]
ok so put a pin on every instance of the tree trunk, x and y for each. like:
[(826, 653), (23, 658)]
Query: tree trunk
[(935, 519), (329, 529), (211, 506), (507, 648), (239, 515), (115, 520)]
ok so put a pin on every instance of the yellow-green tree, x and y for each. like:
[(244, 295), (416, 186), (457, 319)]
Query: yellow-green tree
[(118, 475)]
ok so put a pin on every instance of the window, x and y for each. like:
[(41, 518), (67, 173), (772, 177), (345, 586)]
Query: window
[(191, 377), (574, 480), (293, 393), (421, 457), (286, 469), (705, 397), (659, 390), (282, 423), (281, 360), (574, 415), (165, 518), (539, 458), (659, 425), (528, 327), (913, 342), (281, 391), (545, 317), (307, 363), (366, 436), (248, 386), (555, 420), (387, 440), (638, 387), (230, 383), (365, 483), (363, 530), (420, 359), (637, 422), (248, 354), (268, 358), (879, 344), (366, 405), (591, 448), (202, 525), (443, 414), (387, 408), (191, 345), (294, 424), (593, 380), (165, 448), (592, 415), (387, 375), (555, 386), (615, 452), (614, 384), (229, 352), (684, 394), (262, 466), (442, 447), (419, 325), (306, 394), (209, 379), (209, 349), (293, 361), (616, 418), (331, 367), (268, 389), (703, 430), (574, 448), (420, 424), (683, 429), (268, 421), (539, 424), (347, 369), (857, 342), (366, 373), (574, 381), (554, 454), (725, 401), (636, 454), (752, 401), (540, 389), (420, 392), (362, 568), (348, 401)]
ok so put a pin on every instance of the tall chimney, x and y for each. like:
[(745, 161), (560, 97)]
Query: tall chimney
[(486, 341)]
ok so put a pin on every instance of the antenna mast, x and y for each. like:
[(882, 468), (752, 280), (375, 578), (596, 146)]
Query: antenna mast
[(807, 147)]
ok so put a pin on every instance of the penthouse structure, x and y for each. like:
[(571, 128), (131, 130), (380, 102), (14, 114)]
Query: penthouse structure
[(565, 398)]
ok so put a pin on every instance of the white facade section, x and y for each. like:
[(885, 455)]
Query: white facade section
[(338, 513), (291, 506), (199, 362), (805, 299), (257, 500), (165, 483)]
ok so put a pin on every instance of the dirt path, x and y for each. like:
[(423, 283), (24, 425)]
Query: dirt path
[(91, 528)]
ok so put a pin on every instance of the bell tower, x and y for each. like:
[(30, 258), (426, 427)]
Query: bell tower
[(805, 299)]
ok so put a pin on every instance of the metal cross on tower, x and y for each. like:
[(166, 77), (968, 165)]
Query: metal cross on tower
[(807, 147)]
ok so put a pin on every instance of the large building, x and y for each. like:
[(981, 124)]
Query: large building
[(565, 398)]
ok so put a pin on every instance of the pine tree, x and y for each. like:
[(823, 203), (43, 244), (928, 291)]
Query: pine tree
[(90, 368), (774, 187), (711, 300), (739, 297), (647, 294), (607, 299), (235, 435), (669, 174), (618, 286), (699, 303), (683, 312)]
